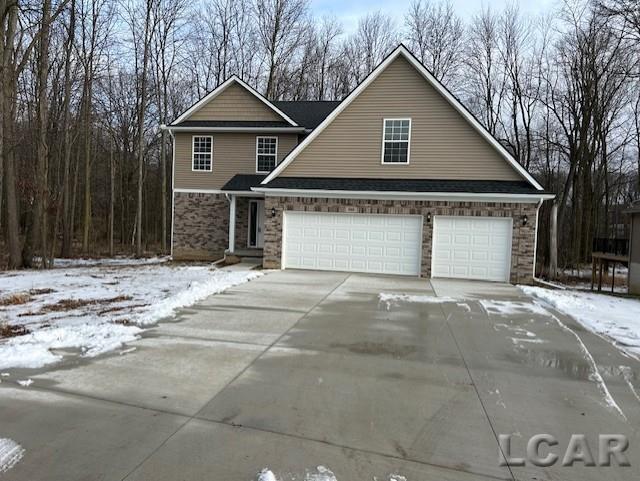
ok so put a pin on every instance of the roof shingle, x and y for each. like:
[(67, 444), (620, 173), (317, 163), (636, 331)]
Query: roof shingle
[(404, 185), (308, 113)]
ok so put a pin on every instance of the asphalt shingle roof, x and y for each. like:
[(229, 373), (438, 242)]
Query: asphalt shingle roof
[(404, 185), (243, 182), (307, 113)]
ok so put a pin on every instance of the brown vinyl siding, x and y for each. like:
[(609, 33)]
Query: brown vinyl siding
[(233, 153), (235, 103), (443, 144)]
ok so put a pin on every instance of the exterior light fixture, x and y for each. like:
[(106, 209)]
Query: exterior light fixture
[(273, 211), (428, 217), (525, 220)]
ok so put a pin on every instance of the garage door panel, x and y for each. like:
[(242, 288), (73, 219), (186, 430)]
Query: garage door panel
[(353, 242), (472, 248)]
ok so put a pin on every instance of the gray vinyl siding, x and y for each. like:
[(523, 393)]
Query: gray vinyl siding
[(443, 144), (235, 103), (233, 153)]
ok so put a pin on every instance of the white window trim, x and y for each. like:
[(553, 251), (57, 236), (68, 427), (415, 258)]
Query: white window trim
[(408, 141), (210, 169), (276, 154)]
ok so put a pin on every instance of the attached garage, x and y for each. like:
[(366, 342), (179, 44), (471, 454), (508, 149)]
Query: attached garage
[(371, 243), (472, 248)]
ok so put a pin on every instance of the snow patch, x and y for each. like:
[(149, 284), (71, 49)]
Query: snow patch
[(511, 307), (266, 475), (109, 261), (391, 299), (95, 310), (25, 382), (321, 474), (10, 454), (197, 291), (617, 319)]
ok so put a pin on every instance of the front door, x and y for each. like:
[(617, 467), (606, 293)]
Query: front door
[(256, 223)]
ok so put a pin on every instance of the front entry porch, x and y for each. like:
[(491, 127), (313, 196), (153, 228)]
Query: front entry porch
[(246, 225)]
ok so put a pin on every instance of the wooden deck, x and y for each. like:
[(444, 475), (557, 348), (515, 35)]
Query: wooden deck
[(600, 261)]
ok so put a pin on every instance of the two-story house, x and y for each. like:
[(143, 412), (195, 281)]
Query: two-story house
[(397, 178)]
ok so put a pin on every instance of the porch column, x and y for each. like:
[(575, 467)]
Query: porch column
[(232, 223)]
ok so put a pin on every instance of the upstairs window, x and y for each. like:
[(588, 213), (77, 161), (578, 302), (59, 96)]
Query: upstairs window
[(266, 154), (202, 159), (395, 141)]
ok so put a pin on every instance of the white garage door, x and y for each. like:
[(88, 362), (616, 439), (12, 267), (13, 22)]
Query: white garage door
[(384, 244), (472, 248)]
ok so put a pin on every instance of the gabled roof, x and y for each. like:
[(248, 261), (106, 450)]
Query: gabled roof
[(401, 50), (221, 88), (309, 113)]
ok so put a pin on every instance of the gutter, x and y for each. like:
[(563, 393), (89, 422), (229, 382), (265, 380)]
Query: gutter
[(176, 128)]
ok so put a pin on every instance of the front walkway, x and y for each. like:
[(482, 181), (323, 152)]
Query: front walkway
[(303, 369)]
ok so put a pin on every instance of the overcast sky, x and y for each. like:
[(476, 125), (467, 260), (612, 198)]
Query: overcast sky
[(348, 11)]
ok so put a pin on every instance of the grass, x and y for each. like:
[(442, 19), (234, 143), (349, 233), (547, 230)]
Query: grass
[(7, 330), (15, 299)]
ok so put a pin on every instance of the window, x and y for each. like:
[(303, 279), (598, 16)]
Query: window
[(395, 143), (266, 153), (202, 153)]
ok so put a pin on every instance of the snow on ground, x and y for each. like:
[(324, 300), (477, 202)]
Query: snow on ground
[(10, 454), (321, 473), (614, 317), (96, 308), (266, 475), (109, 261), (391, 299)]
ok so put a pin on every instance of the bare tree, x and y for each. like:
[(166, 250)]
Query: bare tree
[(435, 35), (281, 25), (485, 83), (165, 50), (374, 39)]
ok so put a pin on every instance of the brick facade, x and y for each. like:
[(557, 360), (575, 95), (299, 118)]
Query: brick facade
[(523, 242), (201, 226), (242, 222)]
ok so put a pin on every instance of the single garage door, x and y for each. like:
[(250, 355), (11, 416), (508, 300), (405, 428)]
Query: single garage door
[(472, 248), (383, 244)]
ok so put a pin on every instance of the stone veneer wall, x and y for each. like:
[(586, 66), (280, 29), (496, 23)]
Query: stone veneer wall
[(523, 242), (201, 226)]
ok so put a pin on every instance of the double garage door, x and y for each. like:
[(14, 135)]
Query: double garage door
[(463, 247)]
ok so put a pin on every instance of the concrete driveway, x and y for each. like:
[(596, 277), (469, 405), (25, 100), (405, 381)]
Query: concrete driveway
[(304, 369)]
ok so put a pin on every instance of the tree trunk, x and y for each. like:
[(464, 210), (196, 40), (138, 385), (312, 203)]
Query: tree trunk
[(112, 197), (163, 167), (7, 111), (87, 166), (42, 196), (67, 221), (141, 112)]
